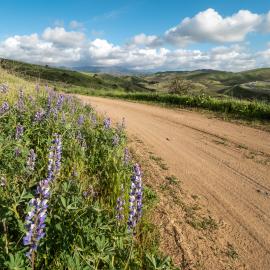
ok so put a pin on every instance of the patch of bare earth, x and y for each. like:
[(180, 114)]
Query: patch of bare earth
[(215, 213), (189, 233)]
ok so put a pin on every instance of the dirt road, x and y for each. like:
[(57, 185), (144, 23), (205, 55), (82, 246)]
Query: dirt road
[(226, 164)]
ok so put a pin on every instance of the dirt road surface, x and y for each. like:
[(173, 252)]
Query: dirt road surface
[(226, 164)]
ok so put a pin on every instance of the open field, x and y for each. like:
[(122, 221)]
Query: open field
[(226, 165)]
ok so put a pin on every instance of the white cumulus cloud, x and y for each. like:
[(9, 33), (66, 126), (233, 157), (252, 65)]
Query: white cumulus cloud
[(210, 26), (146, 40), (59, 36)]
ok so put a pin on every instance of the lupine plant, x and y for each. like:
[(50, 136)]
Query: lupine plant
[(65, 174)]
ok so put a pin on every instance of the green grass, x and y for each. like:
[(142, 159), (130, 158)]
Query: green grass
[(231, 251), (81, 229), (160, 162), (232, 107)]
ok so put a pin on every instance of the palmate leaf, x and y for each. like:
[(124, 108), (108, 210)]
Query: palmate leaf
[(16, 262)]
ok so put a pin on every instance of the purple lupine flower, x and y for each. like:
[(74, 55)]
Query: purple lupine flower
[(59, 102), (139, 191), (39, 115), (17, 152), (19, 131), (4, 108), (31, 160), (120, 202), (115, 139), (54, 159), (3, 88), (3, 181), (81, 120), (132, 206), (35, 219), (58, 153), (126, 156), (135, 198), (107, 123)]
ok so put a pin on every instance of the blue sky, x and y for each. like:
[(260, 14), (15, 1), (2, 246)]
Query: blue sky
[(110, 26)]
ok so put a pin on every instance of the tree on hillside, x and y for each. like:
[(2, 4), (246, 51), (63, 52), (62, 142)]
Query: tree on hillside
[(180, 86)]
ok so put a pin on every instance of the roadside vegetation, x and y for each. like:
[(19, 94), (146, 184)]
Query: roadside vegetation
[(243, 109), (70, 196)]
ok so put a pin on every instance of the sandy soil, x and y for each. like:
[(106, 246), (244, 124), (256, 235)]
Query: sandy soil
[(222, 219)]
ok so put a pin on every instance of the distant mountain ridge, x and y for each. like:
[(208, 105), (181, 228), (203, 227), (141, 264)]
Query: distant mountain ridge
[(109, 70)]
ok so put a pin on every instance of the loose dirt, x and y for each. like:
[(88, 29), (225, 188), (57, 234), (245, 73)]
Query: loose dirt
[(213, 182)]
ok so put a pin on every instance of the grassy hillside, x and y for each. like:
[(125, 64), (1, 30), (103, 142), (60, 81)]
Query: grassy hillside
[(65, 78), (218, 83)]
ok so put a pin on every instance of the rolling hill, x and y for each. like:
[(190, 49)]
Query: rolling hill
[(251, 84), (61, 77)]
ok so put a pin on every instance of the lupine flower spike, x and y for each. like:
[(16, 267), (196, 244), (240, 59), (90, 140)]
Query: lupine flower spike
[(19, 131), (60, 102), (135, 198), (107, 123), (3, 88), (31, 160), (4, 108), (126, 156), (35, 219), (39, 115), (17, 152), (120, 202), (81, 120)]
